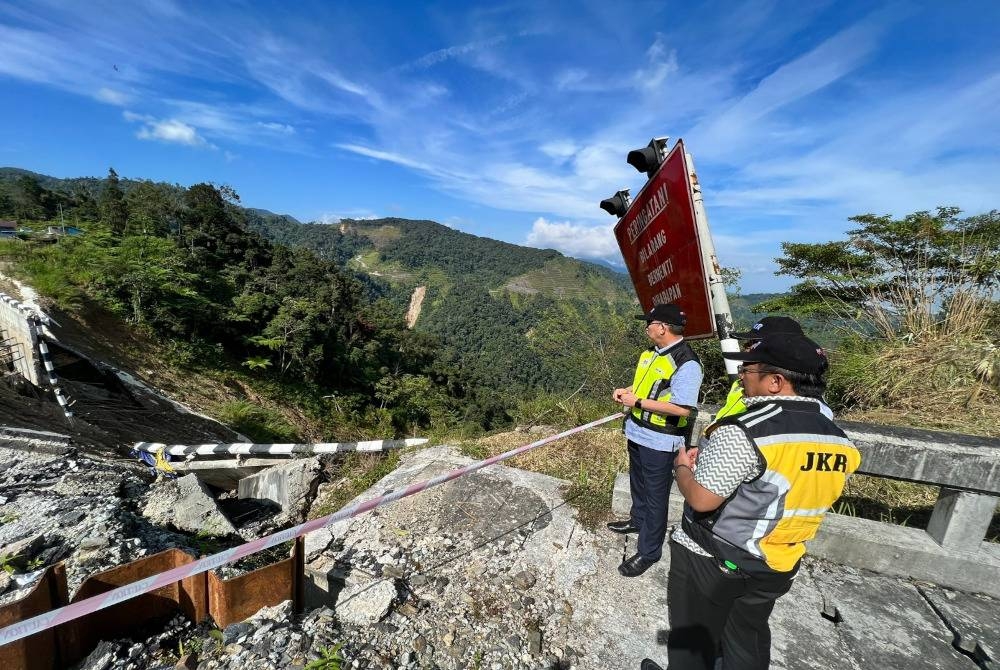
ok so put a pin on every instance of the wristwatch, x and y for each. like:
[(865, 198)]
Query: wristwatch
[(638, 403)]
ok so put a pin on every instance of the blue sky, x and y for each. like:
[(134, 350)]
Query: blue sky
[(512, 120)]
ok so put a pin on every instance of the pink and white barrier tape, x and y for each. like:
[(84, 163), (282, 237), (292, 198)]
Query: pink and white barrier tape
[(96, 603)]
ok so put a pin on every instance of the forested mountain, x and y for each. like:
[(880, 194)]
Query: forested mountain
[(486, 301), (328, 307)]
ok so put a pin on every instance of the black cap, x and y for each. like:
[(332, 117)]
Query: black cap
[(669, 313), (792, 352), (771, 325)]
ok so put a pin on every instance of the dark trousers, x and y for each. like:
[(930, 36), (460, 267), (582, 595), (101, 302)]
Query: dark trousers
[(651, 473), (711, 611)]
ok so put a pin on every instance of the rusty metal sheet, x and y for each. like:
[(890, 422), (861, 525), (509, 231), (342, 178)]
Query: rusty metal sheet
[(188, 596), (40, 651), (232, 600)]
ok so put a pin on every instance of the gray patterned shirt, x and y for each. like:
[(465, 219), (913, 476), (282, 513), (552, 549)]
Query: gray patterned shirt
[(727, 460)]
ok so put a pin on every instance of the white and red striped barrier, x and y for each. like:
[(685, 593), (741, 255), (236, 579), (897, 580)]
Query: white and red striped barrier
[(41, 622), (248, 449)]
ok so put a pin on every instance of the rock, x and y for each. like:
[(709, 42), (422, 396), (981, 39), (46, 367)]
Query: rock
[(72, 517), (93, 543), (535, 641), (364, 604), (102, 657), (25, 549), (5, 580), (187, 504), (281, 614), (524, 580), (419, 644), (317, 542), (291, 485), (235, 631), (187, 662)]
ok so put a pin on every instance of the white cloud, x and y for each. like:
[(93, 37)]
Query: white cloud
[(171, 130), (330, 218), (280, 128), (558, 149), (574, 239), (113, 97), (166, 130), (447, 53)]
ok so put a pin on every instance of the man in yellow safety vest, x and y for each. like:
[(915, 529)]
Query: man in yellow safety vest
[(660, 401), (753, 495)]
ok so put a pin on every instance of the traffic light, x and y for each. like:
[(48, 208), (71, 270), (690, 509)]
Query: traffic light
[(648, 158), (617, 204)]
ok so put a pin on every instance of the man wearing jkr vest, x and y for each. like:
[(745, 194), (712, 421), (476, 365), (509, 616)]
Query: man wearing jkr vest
[(754, 495), (766, 327), (662, 397)]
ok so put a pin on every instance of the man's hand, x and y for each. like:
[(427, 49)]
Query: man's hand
[(687, 457), (616, 395)]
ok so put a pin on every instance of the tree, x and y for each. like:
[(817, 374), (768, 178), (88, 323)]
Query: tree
[(114, 210), (922, 259), (151, 210), (29, 198)]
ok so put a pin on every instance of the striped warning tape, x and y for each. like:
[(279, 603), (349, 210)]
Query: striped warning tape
[(101, 601), (28, 311), (246, 448), (50, 369)]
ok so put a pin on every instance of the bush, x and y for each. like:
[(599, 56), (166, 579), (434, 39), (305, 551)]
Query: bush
[(258, 423)]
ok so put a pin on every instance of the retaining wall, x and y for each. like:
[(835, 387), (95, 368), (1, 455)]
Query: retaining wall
[(18, 329)]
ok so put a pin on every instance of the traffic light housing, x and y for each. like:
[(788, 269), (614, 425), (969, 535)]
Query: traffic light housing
[(648, 158), (617, 204)]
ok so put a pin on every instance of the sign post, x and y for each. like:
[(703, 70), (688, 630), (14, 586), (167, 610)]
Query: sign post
[(716, 285)]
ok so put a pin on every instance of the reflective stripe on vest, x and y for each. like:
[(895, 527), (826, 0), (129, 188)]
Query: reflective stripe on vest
[(806, 460), (652, 382)]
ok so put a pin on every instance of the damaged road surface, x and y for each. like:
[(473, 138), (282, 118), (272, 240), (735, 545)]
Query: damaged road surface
[(491, 570)]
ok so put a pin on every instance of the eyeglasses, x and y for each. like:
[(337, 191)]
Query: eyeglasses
[(743, 370)]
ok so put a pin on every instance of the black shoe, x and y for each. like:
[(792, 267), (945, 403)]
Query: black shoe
[(648, 664), (622, 527), (635, 566)]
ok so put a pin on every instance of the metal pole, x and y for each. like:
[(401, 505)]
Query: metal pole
[(716, 286)]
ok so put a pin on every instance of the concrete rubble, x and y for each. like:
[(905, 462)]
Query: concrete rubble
[(290, 485), (186, 504), (489, 571)]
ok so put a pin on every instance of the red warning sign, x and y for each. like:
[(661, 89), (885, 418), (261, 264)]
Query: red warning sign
[(658, 238)]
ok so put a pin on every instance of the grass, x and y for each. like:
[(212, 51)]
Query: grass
[(355, 474), (909, 361), (329, 659), (259, 423)]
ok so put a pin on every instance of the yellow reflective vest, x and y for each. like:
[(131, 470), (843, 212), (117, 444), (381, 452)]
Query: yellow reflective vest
[(806, 459), (652, 381), (734, 402)]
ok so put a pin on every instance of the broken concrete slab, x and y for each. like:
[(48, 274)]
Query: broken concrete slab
[(224, 473), (365, 603), (292, 486), (974, 619), (907, 552), (886, 623), (798, 617), (186, 504), (42, 441)]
